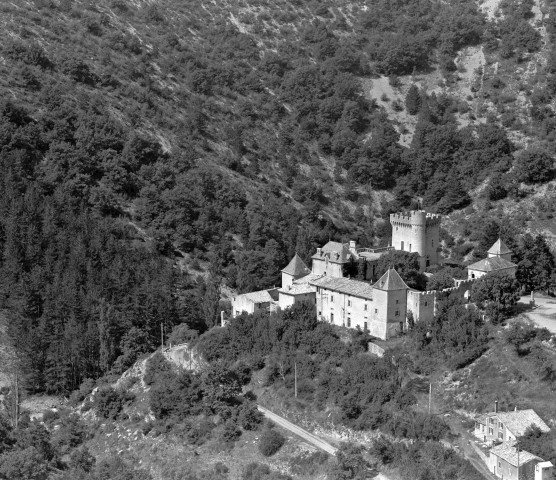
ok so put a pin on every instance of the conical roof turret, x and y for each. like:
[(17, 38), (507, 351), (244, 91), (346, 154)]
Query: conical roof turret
[(499, 248), (296, 267), (391, 280)]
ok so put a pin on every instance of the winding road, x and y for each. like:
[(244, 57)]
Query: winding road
[(304, 434)]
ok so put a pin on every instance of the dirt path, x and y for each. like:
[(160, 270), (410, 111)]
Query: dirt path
[(544, 312), (304, 434)]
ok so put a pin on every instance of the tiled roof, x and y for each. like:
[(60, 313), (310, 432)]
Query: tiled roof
[(298, 289), (499, 248), (296, 267), (518, 421), (509, 453), (391, 280), (306, 279), (371, 256), (355, 288), (491, 264), (335, 251), (261, 296)]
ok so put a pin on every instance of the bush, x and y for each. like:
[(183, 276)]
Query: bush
[(109, 402), (249, 417), (270, 442), (231, 432), (466, 357), (156, 367), (534, 166)]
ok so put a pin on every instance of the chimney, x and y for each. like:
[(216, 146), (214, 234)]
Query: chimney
[(319, 252), (496, 406)]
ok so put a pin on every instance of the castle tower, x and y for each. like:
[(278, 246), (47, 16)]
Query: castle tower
[(417, 231), (500, 250), (295, 269)]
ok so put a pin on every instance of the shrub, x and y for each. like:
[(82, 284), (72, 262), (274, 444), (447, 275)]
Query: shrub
[(156, 367), (466, 357), (534, 166), (109, 402), (86, 387), (231, 432), (249, 417), (270, 442)]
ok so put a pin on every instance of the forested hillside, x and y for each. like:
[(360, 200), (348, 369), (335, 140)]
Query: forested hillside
[(231, 135)]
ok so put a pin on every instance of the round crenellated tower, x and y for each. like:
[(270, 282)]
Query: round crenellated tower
[(417, 231)]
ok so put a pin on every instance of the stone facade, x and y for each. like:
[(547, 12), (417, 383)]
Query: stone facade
[(419, 232), (498, 260), (378, 308), (421, 304)]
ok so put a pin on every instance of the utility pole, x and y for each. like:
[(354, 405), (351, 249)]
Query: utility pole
[(295, 378), (16, 398), (430, 397), (517, 448)]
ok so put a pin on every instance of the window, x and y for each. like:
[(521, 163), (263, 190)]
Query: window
[(501, 425), (433, 243), (318, 289), (331, 298), (410, 247), (237, 312), (365, 308), (349, 322), (490, 432), (397, 313), (402, 246), (320, 313), (331, 318), (501, 435), (365, 326), (397, 301), (426, 303), (349, 303), (376, 310), (472, 275), (499, 464), (491, 420)]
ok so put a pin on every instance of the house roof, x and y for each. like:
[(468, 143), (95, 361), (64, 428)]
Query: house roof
[(509, 453), (306, 279), (296, 267), (482, 418), (297, 289), (491, 264), (371, 256), (262, 296), (391, 280), (335, 251), (499, 248), (518, 421), (355, 288)]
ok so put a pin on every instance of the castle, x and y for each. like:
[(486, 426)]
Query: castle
[(381, 307)]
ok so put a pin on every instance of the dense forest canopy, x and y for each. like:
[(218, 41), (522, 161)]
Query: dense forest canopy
[(170, 130)]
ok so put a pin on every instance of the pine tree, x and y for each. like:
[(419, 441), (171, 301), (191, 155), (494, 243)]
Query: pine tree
[(413, 100)]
